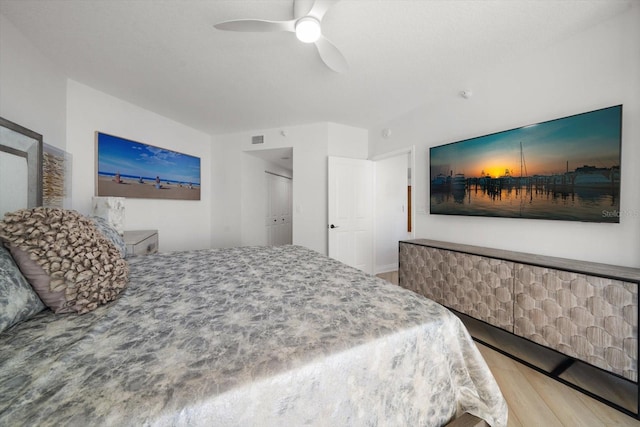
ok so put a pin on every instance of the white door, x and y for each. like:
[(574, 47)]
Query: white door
[(351, 212), (278, 220)]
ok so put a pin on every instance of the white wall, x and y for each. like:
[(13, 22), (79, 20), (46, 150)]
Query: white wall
[(597, 68), (348, 141), (182, 224), (311, 145), (226, 186), (36, 94), (32, 89)]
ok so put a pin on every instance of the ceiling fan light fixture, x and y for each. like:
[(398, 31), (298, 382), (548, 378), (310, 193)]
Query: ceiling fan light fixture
[(308, 29)]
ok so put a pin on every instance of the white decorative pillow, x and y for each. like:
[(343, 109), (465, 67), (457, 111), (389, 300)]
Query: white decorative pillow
[(18, 301), (83, 268)]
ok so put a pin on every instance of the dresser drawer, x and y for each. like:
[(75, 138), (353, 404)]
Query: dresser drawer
[(141, 242)]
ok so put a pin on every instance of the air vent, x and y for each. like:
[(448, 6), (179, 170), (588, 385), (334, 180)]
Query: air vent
[(258, 139)]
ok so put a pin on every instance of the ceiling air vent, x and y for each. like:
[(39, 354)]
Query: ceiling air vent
[(258, 139)]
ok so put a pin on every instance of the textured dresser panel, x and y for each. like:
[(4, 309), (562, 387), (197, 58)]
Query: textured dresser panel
[(478, 286), (419, 271), (590, 318)]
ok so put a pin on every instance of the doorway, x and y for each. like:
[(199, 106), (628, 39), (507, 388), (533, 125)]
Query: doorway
[(279, 209), (364, 231), (394, 207), (267, 197)]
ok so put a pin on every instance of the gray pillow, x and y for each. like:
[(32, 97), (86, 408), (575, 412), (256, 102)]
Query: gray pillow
[(78, 262), (110, 233), (18, 301)]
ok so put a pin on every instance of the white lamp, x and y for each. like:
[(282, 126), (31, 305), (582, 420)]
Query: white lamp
[(308, 29), (111, 209)]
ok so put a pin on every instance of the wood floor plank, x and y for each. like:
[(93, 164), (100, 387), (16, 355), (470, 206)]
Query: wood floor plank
[(564, 401), (496, 359), (524, 402), (528, 390), (608, 416)]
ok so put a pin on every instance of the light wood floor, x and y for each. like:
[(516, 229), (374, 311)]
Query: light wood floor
[(537, 400)]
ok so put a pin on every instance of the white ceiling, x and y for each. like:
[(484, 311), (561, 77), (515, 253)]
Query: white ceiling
[(165, 55)]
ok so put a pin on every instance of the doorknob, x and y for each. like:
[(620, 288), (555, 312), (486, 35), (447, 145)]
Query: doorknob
[(333, 226)]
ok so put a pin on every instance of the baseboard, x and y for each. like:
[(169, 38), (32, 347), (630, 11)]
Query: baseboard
[(386, 268)]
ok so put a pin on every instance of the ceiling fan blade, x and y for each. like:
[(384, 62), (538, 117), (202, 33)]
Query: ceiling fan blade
[(256, 25), (320, 7), (301, 8), (331, 55)]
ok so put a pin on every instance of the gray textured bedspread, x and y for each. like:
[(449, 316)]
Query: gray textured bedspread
[(256, 336)]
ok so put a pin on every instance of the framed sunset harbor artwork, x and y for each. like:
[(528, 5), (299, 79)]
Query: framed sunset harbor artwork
[(132, 169), (562, 169)]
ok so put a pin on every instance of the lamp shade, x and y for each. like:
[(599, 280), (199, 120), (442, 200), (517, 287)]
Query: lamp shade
[(111, 209)]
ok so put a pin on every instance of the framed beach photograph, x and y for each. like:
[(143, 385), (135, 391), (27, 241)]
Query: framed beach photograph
[(132, 169), (562, 169)]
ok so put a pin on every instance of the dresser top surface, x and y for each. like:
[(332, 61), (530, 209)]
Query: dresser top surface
[(136, 236), (606, 270)]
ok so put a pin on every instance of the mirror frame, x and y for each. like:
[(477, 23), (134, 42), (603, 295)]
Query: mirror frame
[(33, 154)]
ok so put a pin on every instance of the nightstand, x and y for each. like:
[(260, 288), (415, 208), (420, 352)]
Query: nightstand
[(141, 242)]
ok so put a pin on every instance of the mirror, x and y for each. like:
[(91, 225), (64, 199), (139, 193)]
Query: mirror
[(20, 167)]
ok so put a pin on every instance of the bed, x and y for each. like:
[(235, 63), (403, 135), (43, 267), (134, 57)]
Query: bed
[(249, 336)]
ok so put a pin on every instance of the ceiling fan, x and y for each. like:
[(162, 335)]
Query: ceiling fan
[(308, 16)]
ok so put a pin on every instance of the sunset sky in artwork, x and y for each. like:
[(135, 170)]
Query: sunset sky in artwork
[(585, 139)]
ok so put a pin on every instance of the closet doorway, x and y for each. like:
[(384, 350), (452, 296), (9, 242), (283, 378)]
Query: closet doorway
[(267, 197), (279, 207)]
